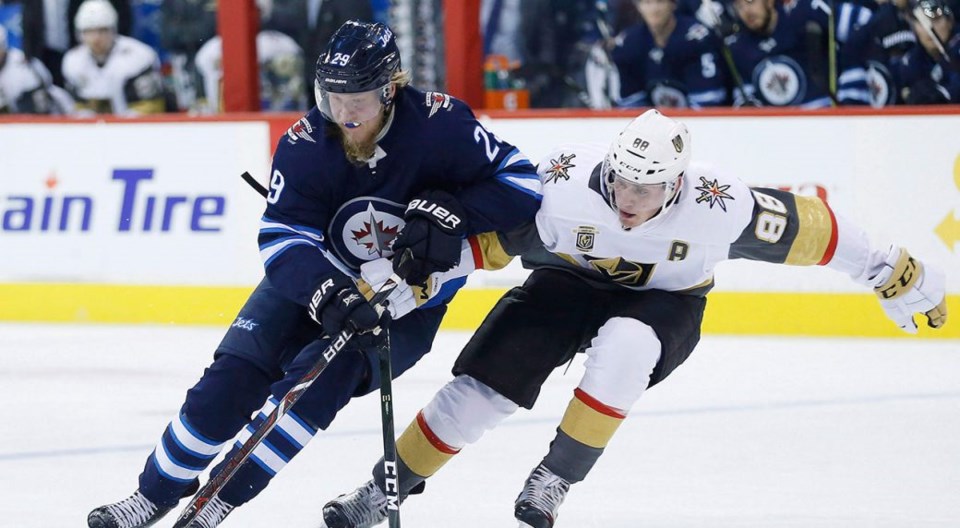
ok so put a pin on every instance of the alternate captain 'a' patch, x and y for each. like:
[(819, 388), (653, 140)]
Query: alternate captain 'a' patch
[(713, 193), (559, 167), (300, 130), (437, 101)]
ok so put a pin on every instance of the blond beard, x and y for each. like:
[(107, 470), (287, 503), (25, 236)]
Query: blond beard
[(359, 152)]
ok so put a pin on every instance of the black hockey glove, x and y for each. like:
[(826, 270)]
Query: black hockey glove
[(431, 240), (337, 304)]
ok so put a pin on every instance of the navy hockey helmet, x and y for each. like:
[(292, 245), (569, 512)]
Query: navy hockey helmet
[(360, 57), (933, 9)]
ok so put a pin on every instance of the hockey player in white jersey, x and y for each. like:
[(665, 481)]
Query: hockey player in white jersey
[(110, 73), (623, 253), (25, 84)]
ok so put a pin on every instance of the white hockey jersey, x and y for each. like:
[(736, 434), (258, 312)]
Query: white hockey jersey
[(23, 86), (128, 83), (715, 218), (281, 73)]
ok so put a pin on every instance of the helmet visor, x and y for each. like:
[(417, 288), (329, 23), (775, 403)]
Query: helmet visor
[(350, 109)]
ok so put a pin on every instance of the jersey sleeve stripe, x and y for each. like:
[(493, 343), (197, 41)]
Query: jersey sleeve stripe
[(270, 252), (514, 159), (816, 232), (272, 226), (529, 184), (488, 252), (834, 236)]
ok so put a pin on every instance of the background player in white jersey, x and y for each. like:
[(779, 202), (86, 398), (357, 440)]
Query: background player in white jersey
[(25, 84), (623, 253), (110, 73)]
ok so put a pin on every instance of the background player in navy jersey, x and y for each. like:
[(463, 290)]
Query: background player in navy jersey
[(668, 60), (340, 183)]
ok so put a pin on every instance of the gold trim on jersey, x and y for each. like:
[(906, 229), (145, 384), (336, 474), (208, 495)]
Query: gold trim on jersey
[(492, 252), (814, 231)]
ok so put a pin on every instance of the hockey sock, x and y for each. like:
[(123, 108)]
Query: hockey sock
[(178, 459), (288, 437), (420, 454), (586, 428)]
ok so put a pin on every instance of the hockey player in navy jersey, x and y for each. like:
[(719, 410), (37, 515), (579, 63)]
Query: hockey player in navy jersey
[(634, 232), (781, 52), (929, 73), (337, 210), (669, 60)]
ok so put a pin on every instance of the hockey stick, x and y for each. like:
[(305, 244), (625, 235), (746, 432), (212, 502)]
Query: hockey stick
[(213, 487), (832, 55), (255, 184), (927, 26), (391, 483)]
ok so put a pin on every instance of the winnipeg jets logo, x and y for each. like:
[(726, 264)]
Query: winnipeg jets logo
[(714, 193), (245, 324), (300, 130), (558, 168), (374, 236), (437, 101)]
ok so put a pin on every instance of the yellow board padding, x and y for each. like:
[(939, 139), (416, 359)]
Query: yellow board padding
[(587, 425), (729, 313)]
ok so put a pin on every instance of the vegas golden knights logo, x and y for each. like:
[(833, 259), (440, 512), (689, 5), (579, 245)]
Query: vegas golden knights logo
[(586, 237), (623, 271), (678, 143)]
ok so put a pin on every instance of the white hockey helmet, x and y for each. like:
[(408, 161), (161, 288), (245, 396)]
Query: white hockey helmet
[(652, 149), (95, 14)]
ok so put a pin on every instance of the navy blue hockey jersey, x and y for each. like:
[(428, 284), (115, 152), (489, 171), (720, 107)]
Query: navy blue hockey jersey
[(685, 72), (325, 214), (779, 69)]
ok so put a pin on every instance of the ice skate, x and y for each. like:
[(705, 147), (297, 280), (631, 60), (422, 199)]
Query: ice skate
[(542, 495), (212, 514), (364, 507), (136, 511)]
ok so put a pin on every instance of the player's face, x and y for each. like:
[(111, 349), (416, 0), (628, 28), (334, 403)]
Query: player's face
[(637, 203), (942, 26), (755, 14), (99, 40), (656, 13), (352, 110)]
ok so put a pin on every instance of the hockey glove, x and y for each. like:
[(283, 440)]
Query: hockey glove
[(404, 298), (338, 305), (430, 241), (906, 287)]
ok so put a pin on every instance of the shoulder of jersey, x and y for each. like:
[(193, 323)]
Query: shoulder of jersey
[(303, 134), (693, 31), (435, 106), (711, 198), (570, 165), (134, 52)]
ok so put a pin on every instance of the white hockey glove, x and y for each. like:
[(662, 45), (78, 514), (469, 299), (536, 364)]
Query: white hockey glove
[(404, 298), (906, 287)]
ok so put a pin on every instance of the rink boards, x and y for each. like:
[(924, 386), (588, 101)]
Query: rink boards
[(149, 222)]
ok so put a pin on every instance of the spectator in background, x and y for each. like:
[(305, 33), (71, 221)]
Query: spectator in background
[(185, 26), (111, 73), (669, 60), (281, 66), (25, 84), (929, 73)]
